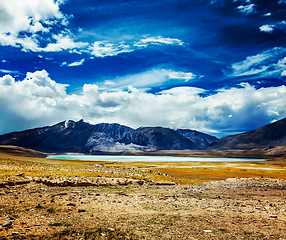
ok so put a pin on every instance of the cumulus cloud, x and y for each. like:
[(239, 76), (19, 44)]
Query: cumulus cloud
[(27, 15), (267, 28), (24, 23), (38, 100)]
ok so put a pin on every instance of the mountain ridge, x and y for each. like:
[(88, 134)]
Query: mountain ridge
[(82, 137), (269, 135)]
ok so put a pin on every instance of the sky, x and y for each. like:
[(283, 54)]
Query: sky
[(216, 66)]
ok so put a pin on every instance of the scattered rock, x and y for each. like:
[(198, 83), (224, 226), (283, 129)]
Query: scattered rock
[(273, 216), (20, 175), (7, 224), (61, 194), (207, 231), (71, 204)]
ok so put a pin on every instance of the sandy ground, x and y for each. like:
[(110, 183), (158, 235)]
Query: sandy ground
[(72, 200)]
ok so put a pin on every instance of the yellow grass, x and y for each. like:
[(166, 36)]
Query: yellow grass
[(33, 163), (198, 172)]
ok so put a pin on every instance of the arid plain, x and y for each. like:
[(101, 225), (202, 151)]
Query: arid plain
[(56, 199)]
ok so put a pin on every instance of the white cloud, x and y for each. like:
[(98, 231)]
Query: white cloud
[(247, 9), (109, 83), (179, 75), (9, 71), (267, 14), (159, 41), (267, 63), (78, 63), (270, 28), (26, 15), (104, 48), (33, 18), (267, 28), (40, 26), (249, 66), (63, 42), (37, 100), (152, 78)]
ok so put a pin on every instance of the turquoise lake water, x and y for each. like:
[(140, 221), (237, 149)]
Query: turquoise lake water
[(113, 158)]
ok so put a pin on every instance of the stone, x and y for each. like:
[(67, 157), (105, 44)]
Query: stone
[(207, 231), (37, 224), (273, 216), (7, 224)]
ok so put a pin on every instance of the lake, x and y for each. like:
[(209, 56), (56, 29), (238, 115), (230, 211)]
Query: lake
[(120, 158)]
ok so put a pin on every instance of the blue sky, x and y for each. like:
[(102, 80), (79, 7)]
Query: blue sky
[(217, 66)]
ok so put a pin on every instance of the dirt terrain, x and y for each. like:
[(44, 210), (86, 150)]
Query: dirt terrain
[(48, 199)]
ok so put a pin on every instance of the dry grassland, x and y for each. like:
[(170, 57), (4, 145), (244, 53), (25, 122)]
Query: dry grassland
[(54, 199)]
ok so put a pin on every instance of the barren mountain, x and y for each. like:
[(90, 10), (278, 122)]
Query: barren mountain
[(270, 135), (82, 137)]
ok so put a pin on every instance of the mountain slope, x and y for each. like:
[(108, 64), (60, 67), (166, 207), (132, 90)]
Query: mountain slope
[(166, 139), (269, 135), (82, 137), (200, 140)]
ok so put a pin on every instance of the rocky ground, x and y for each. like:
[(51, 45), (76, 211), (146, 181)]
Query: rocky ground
[(92, 201), (229, 209)]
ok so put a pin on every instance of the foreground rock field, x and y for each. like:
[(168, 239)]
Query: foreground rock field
[(60, 200)]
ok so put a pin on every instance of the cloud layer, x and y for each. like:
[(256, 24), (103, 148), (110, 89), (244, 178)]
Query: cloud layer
[(39, 99), (174, 63)]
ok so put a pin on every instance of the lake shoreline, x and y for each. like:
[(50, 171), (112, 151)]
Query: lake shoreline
[(134, 158)]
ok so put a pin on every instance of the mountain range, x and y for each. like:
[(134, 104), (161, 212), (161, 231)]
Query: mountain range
[(83, 137)]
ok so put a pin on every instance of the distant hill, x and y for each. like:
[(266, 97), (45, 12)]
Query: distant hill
[(270, 135), (82, 137)]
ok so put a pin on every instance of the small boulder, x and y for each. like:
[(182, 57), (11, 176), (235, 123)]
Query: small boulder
[(7, 224)]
